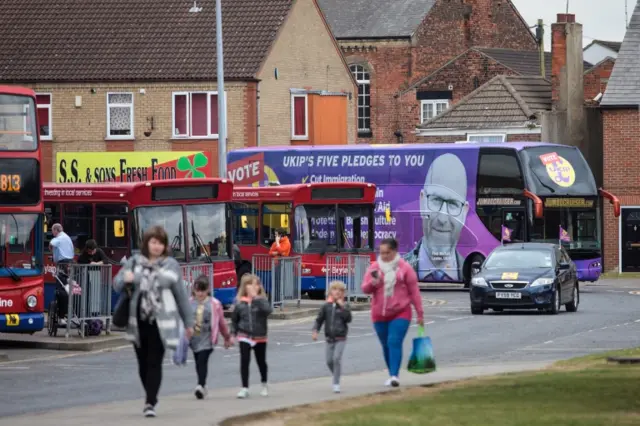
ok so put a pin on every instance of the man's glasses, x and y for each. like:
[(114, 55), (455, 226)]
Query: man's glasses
[(454, 207)]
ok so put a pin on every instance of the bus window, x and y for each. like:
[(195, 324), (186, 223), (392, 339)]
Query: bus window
[(354, 222), (499, 172), (51, 216), (111, 229), (320, 234), (272, 220), (78, 224), (206, 227), (170, 218), (245, 223)]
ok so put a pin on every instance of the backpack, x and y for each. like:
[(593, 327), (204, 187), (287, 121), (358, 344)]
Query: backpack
[(93, 327)]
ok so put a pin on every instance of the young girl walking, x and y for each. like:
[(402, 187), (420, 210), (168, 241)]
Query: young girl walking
[(249, 325), (209, 322)]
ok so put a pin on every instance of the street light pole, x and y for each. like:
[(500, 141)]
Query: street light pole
[(222, 104)]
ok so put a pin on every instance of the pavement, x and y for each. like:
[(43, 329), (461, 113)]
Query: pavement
[(76, 383)]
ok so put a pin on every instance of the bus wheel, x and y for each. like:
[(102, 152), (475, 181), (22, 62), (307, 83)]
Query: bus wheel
[(468, 273), (243, 270)]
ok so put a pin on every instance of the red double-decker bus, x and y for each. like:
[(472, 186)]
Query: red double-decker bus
[(21, 213), (321, 219), (194, 213)]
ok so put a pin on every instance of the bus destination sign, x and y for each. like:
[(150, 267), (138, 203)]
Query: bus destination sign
[(19, 182), (10, 182), (568, 202)]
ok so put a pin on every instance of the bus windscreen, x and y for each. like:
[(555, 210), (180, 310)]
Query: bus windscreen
[(19, 182)]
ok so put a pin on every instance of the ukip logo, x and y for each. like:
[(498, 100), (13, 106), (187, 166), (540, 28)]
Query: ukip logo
[(559, 169)]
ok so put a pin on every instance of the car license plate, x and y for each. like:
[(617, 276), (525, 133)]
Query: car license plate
[(509, 295)]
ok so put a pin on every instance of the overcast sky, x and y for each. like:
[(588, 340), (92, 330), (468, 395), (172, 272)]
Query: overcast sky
[(600, 19)]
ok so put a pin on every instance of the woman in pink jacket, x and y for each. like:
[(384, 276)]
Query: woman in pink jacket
[(393, 285)]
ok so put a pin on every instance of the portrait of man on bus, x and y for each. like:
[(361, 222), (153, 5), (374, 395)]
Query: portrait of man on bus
[(443, 208)]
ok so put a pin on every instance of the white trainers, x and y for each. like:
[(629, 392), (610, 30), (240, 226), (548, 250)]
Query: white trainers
[(149, 411), (336, 388), (244, 393), (395, 382), (265, 390), (387, 383), (200, 392)]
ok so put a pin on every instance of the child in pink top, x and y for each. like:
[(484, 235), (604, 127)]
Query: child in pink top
[(393, 285)]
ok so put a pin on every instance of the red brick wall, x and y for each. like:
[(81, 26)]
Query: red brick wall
[(621, 174), (595, 80), (444, 34), (460, 74)]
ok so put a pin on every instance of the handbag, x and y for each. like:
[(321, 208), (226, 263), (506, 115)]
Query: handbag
[(422, 360), (120, 317)]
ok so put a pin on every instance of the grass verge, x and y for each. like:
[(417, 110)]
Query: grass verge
[(583, 391)]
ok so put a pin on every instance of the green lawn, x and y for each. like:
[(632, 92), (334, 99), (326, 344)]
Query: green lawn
[(597, 394)]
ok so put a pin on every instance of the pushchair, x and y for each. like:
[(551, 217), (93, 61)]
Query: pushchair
[(59, 306)]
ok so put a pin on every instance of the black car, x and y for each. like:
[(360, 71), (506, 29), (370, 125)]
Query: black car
[(525, 276)]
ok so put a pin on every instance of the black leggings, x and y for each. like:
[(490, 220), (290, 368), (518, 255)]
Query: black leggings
[(202, 365), (260, 351), (150, 355)]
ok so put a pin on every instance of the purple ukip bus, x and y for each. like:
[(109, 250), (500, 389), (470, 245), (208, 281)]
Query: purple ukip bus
[(449, 204)]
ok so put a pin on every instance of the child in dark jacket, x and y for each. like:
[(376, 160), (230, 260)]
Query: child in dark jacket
[(249, 325), (335, 315)]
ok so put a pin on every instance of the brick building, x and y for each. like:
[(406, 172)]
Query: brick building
[(620, 109), (391, 44), (120, 76)]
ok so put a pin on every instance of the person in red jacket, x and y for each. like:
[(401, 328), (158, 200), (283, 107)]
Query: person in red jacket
[(393, 285)]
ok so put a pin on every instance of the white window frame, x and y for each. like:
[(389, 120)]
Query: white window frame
[(209, 93), (472, 135), (306, 117), (435, 103), (48, 107), (131, 116), (363, 82)]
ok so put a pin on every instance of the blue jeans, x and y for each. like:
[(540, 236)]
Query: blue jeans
[(391, 335)]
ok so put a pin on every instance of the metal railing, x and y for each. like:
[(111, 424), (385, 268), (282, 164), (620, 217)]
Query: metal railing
[(89, 291), (280, 276), (191, 272), (350, 269)]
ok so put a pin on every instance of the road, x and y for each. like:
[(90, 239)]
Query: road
[(608, 319)]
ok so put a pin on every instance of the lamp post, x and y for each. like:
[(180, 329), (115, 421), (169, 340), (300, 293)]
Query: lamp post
[(222, 104)]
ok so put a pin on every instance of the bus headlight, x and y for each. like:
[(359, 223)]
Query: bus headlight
[(32, 301)]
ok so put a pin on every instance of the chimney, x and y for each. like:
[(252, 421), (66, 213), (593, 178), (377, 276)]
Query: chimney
[(567, 75)]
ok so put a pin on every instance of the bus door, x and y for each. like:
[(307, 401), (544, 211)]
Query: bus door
[(515, 218)]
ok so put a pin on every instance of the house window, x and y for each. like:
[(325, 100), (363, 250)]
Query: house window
[(120, 115), (299, 117), (432, 107), (195, 115), (498, 138), (361, 75), (43, 102)]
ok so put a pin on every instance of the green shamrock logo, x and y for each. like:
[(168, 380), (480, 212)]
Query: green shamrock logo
[(199, 161)]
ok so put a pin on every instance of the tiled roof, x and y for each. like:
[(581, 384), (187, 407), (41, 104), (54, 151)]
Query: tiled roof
[(623, 88), (351, 19), (612, 45), (502, 102), (133, 40), (524, 62)]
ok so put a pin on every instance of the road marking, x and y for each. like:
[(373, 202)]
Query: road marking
[(13, 368), (638, 320), (547, 342), (457, 319), (635, 293)]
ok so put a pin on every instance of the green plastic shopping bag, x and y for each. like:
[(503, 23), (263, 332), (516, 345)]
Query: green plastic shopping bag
[(422, 360)]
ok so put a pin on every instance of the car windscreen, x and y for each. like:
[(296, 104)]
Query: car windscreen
[(520, 259)]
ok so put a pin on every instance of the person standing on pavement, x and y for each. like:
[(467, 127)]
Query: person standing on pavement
[(393, 285), (63, 253), (336, 316), (209, 322), (249, 326), (158, 302), (280, 248)]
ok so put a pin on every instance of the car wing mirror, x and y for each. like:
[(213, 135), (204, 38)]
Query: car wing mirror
[(564, 266)]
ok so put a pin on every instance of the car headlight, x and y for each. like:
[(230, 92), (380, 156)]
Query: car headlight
[(32, 301), (542, 281), (479, 282)]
